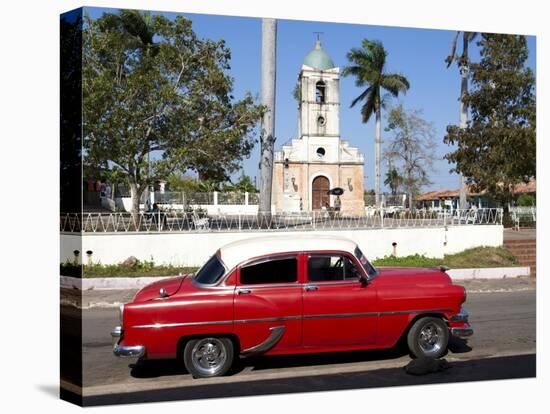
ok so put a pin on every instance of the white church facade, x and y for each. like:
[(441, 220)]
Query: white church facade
[(318, 160)]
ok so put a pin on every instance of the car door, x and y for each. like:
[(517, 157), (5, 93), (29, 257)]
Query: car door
[(268, 304), (339, 310)]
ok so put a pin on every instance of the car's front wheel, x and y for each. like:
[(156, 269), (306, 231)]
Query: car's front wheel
[(208, 357), (428, 337)]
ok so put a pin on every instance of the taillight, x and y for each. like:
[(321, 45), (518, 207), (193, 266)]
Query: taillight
[(121, 314)]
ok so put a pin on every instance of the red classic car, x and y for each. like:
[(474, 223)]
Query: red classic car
[(288, 295)]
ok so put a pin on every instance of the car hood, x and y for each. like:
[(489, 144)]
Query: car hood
[(408, 275), (151, 291)]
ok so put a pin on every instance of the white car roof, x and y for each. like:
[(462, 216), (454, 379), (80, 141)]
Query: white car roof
[(236, 252)]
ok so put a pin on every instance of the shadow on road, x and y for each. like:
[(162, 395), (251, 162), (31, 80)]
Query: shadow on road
[(161, 368), (520, 366), (458, 345)]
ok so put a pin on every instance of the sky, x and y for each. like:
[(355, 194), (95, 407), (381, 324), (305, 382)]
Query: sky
[(418, 54)]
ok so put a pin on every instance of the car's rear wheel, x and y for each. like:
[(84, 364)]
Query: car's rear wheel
[(428, 337), (208, 357)]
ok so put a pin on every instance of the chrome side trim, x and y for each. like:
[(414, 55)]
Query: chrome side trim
[(239, 321), (266, 286), (288, 318), (352, 315), (338, 282), (277, 333), (276, 319), (341, 315), (178, 324), (416, 312)]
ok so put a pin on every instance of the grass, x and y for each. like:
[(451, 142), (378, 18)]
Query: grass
[(140, 269), (472, 258), (477, 257)]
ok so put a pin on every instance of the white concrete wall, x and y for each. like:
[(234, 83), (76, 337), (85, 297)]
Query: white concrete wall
[(460, 238), (192, 249)]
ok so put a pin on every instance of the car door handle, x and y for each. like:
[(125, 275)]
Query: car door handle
[(243, 291), (310, 288)]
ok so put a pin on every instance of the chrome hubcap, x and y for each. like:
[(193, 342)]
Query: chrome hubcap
[(209, 355), (430, 338)]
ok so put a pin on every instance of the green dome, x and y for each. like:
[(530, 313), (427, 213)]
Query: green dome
[(318, 58)]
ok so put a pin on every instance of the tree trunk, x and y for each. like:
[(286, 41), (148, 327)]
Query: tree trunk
[(267, 137), (135, 195), (377, 145), (463, 124)]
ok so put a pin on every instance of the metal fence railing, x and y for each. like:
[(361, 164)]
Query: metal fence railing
[(175, 221), (522, 217), (205, 198), (386, 200)]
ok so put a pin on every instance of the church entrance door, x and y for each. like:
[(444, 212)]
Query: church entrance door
[(319, 191)]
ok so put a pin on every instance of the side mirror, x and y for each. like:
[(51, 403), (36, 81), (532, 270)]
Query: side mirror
[(363, 279)]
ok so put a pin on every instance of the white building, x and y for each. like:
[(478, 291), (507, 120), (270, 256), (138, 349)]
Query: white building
[(318, 159)]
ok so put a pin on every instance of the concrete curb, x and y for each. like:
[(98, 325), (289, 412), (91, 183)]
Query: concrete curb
[(489, 273), (109, 283), (114, 283)]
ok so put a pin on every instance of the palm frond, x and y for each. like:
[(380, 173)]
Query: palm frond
[(370, 106), (358, 72), (361, 97), (394, 83), (375, 52), (451, 57), (471, 36)]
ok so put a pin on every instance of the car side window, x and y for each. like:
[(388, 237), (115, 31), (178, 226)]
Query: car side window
[(276, 270), (331, 268)]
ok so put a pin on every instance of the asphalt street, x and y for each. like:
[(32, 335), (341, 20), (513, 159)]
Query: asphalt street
[(503, 346)]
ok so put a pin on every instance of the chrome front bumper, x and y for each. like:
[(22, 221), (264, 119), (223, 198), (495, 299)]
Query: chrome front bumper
[(135, 351), (462, 332), (465, 330)]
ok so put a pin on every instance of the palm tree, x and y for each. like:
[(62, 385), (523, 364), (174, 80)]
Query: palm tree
[(267, 135), (463, 63), (368, 66), (393, 180)]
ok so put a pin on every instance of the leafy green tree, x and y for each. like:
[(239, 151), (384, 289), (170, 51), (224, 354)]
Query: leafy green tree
[(245, 185), (209, 186), (526, 200), (393, 180), (157, 99), (182, 183), (411, 147), (498, 148), (368, 66)]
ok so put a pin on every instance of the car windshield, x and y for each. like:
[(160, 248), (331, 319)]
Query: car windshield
[(210, 272), (370, 269)]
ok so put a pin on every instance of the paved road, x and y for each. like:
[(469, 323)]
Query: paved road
[(503, 347)]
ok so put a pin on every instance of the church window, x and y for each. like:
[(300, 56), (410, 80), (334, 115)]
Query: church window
[(321, 121), (320, 92)]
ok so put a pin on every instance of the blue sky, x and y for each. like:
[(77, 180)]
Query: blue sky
[(416, 53)]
